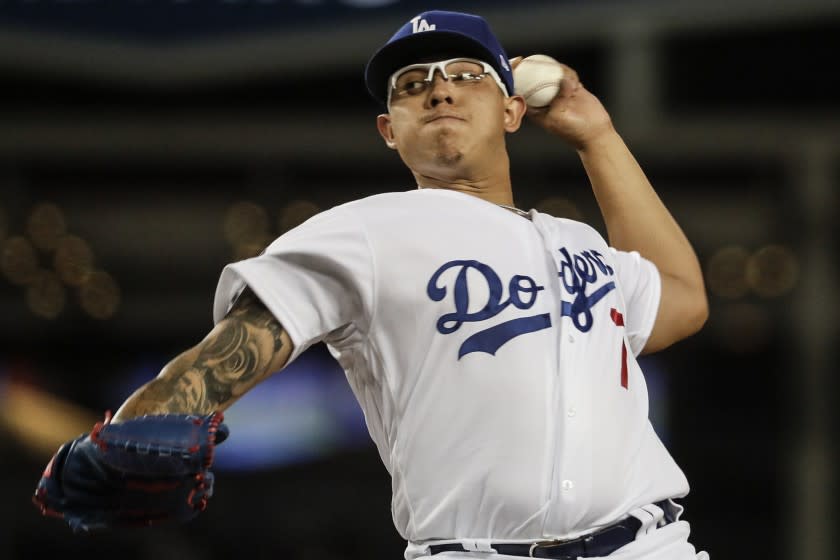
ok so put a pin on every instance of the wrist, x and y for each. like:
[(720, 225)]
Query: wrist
[(603, 138)]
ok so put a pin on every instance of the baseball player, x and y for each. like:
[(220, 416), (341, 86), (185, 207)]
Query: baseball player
[(492, 349)]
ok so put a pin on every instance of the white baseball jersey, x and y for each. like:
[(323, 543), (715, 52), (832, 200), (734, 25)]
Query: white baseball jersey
[(494, 357)]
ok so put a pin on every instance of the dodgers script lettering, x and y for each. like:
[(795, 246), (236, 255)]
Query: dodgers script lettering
[(578, 272), (522, 294)]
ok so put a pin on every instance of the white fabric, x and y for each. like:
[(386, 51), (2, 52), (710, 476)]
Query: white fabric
[(486, 435)]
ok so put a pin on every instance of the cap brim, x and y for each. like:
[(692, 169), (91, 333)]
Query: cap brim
[(414, 48)]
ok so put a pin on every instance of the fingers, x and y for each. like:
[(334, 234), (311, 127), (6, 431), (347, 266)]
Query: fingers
[(569, 72), (570, 83), (566, 99)]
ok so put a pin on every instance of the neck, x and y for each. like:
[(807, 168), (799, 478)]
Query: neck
[(496, 189), (498, 195), (487, 177)]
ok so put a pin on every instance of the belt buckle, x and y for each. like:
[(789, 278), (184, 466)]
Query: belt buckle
[(552, 544), (547, 544)]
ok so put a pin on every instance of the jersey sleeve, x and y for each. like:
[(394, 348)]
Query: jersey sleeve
[(641, 286), (315, 279)]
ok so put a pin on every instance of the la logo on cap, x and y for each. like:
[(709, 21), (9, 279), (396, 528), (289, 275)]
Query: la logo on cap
[(419, 24)]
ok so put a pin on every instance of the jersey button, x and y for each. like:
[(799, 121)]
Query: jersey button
[(572, 411), (568, 485), (571, 338)]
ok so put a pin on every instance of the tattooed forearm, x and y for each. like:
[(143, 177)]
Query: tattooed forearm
[(250, 306), (243, 349)]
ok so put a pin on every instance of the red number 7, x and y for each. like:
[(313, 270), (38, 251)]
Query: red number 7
[(618, 319)]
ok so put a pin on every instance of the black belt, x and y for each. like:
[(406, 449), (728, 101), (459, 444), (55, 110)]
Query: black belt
[(600, 543)]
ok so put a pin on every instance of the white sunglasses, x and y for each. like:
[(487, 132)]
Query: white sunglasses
[(416, 86)]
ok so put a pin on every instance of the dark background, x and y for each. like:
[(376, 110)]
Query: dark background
[(173, 137)]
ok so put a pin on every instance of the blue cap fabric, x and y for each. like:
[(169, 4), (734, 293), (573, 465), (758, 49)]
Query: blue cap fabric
[(436, 34)]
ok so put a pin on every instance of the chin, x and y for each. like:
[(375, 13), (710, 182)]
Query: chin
[(448, 154), (449, 159)]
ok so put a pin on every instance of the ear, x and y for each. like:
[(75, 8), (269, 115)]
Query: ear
[(515, 110), (383, 124)]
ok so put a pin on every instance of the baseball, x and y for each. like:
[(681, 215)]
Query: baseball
[(537, 79)]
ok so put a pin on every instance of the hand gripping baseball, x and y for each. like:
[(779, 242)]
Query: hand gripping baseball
[(575, 114), (144, 471)]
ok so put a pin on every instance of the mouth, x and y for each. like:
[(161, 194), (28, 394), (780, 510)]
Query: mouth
[(443, 117)]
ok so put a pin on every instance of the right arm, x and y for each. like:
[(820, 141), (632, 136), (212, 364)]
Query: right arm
[(635, 217), (244, 348)]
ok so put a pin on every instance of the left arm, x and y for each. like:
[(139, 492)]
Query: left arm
[(635, 217), (242, 350)]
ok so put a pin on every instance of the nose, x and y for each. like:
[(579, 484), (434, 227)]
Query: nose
[(441, 91)]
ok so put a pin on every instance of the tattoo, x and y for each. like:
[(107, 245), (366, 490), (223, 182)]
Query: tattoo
[(233, 358)]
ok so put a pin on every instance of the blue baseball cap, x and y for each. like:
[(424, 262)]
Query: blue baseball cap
[(431, 34)]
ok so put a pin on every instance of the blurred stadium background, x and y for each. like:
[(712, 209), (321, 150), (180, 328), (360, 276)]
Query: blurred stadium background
[(146, 143)]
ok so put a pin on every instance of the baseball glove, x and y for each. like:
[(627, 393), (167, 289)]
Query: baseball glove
[(144, 471)]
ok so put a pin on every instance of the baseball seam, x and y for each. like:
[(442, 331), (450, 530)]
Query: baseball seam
[(540, 85)]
